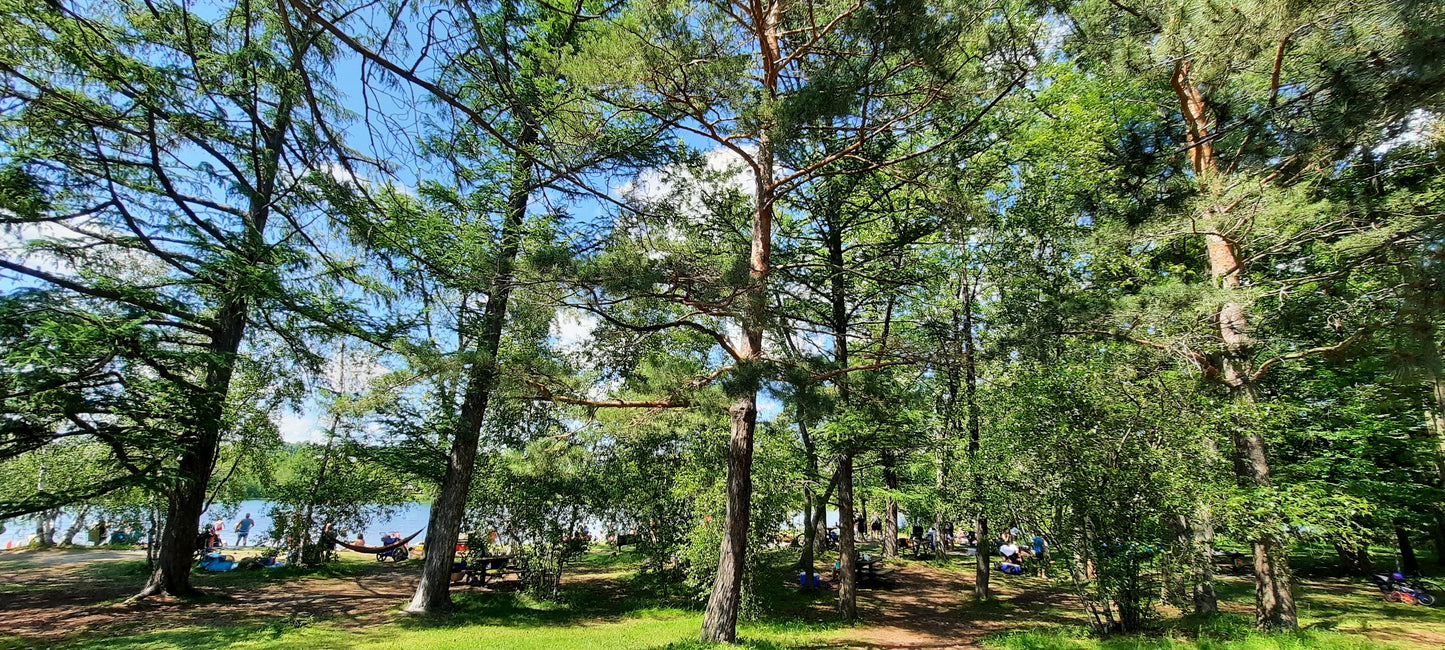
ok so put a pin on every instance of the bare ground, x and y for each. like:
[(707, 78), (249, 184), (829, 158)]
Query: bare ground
[(53, 594)]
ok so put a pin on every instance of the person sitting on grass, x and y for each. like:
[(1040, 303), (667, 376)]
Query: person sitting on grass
[(1012, 563)]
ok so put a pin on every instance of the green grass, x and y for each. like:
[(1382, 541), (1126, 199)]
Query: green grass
[(621, 612), (640, 630)]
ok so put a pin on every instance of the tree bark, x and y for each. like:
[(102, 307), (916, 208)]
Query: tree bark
[(45, 527), (810, 529), (171, 573), (847, 562), (981, 559), (1201, 529), (1274, 600), (720, 620), (1434, 410), (433, 592), (186, 494), (719, 624), (863, 515), (76, 526), (890, 506), (1355, 560), (1409, 563)]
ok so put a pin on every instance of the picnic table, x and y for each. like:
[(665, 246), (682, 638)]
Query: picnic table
[(478, 571), (870, 568)]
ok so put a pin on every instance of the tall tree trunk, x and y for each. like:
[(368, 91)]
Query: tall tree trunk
[(1408, 562), (1201, 528), (981, 565), (1434, 411), (810, 528), (890, 506), (839, 322), (847, 562), (1274, 600), (981, 559), (186, 493), (940, 545), (433, 592), (719, 624), (720, 620), (171, 572)]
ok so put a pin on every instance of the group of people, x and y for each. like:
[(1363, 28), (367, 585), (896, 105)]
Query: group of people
[(210, 536), (1014, 547)]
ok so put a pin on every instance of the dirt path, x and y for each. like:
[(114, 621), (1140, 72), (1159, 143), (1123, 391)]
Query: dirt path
[(918, 606)]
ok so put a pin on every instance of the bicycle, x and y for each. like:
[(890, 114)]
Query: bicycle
[(1399, 589)]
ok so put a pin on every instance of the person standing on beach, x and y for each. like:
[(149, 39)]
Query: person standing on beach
[(243, 530)]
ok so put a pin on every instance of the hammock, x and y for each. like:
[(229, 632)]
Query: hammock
[(379, 549)]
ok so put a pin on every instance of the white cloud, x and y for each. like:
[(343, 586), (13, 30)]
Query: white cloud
[(723, 168), (572, 328), (299, 427), (352, 370)]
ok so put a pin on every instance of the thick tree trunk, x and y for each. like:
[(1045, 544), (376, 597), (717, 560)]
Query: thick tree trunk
[(433, 592), (1274, 599), (719, 624), (720, 620), (847, 562), (1274, 602), (1201, 528), (981, 559), (1435, 418), (45, 527), (186, 494), (1409, 563), (171, 572)]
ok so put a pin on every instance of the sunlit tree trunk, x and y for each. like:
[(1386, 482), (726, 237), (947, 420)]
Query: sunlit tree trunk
[(76, 526), (1274, 600), (720, 619)]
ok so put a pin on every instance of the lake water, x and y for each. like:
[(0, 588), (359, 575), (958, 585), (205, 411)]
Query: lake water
[(407, 518)]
